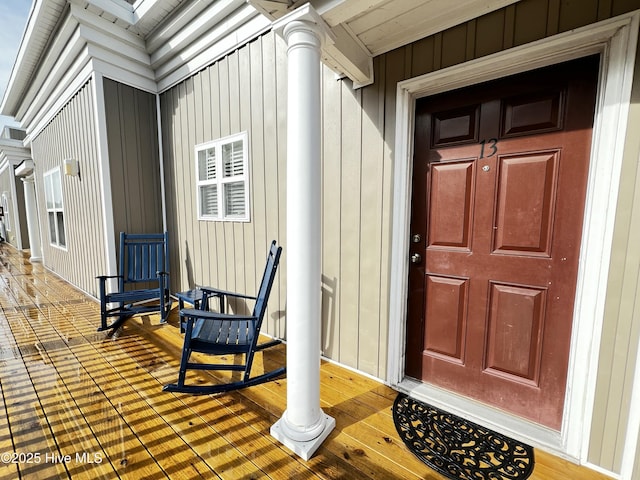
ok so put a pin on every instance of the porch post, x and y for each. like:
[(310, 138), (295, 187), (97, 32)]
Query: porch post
[(33, 226), (303, 426)]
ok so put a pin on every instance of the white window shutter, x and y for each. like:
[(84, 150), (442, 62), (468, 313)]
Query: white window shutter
[(234, 199), (233, 158)]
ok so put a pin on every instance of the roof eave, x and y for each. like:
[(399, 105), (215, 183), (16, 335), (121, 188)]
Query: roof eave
[(34, 41)]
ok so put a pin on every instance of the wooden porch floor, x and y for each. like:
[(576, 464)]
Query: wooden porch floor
[(78, 404)]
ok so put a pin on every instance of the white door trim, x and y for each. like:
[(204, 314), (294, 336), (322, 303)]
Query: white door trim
[(615, 39)]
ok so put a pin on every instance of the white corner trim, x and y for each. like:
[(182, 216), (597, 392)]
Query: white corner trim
[(163, 188), (615, 39)]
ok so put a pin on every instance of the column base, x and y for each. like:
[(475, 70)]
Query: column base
[(303, 448)]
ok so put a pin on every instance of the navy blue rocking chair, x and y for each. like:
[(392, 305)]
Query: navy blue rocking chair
[(143, 280), (216, 333)]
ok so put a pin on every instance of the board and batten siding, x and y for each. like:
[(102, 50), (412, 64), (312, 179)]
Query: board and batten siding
[(71, 134), (246, 91), (134, 165)]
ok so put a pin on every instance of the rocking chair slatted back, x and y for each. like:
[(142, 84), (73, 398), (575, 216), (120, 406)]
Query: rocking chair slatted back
[(143, 256), (143, 280)]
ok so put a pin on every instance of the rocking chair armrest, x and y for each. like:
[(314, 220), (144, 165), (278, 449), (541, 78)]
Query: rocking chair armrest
[(224, 293), (190, 313), (104, 277)]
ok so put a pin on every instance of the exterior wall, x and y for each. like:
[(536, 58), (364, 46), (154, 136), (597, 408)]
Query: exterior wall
[(357, 178), (245, 91), (133, 159), (71, 134)]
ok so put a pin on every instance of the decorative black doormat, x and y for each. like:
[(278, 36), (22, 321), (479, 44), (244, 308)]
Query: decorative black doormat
[(457, 448)]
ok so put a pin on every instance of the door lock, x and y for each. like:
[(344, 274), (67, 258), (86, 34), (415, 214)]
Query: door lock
[(416, 258), (416, 238)]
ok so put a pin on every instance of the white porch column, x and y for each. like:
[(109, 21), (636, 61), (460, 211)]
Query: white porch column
[(303, 426), (33, 226)]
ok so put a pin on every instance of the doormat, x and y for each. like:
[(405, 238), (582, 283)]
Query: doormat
[(457, 448)]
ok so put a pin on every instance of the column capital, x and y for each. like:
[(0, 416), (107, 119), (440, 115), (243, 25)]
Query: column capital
[(307, 18)]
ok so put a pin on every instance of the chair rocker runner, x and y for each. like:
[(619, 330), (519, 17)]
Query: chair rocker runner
[(143, 280), (216, 333)]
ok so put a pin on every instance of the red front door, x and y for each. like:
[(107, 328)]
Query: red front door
[(500, 175)]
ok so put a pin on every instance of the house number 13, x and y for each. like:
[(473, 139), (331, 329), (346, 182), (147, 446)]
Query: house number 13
[(488, 148)]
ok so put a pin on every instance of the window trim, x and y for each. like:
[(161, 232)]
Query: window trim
[(220, 181), (47, 175)]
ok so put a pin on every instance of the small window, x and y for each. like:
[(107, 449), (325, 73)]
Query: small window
[(55, 208), (222, 179)]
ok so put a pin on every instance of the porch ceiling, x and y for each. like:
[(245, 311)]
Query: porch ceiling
[(367, 28)]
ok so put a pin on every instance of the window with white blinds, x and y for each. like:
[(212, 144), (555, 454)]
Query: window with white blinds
[(222, 179), (55, 207)]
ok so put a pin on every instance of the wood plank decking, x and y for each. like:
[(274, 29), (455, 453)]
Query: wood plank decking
[(79, 404)]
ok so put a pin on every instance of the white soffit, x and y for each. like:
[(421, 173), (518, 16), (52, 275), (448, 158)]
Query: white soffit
[(148, 44), (368, 28), (383, 25)]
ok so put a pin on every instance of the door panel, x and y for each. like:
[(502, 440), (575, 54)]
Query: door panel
[(451, 204), (455, 126), (500, 172), (525, 206), (516, 320), (444, 336), (532, 113)]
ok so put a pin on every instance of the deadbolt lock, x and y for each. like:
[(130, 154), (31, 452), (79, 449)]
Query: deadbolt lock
[(416, 238)]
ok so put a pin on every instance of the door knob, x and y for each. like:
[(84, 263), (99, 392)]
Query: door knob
[(416, 258)]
